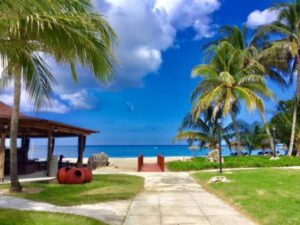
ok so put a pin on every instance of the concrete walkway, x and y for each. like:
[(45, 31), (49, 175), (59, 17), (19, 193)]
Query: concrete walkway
[(110, 212), (175, 198), (168, 198)]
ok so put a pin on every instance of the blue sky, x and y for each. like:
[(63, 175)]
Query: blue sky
[(159, 43)]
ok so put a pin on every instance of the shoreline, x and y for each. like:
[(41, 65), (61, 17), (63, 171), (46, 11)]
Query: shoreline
[(168, 158)]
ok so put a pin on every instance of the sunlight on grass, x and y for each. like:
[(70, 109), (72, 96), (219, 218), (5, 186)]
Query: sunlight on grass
[(16, 217), (271, 196), (102, 188)]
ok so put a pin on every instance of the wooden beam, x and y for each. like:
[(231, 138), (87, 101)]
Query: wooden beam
[(44, 125), (2, 155), (49, 151)]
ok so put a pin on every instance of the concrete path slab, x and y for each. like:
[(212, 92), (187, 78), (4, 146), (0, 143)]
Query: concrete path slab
[(168, 199), (109, 212), (176, 198)]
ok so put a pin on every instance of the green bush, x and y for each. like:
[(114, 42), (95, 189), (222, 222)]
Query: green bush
[(200, 163)]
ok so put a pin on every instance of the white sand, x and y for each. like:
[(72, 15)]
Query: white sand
[(126, 164)]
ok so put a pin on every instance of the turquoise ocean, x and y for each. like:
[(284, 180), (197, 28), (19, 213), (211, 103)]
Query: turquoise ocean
[(122, 151)]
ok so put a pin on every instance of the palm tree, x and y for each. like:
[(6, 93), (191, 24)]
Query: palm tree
[(253, 136), (203, 131), (287, 41), (226, 81), (273, 67), (68, 31), (282, 120), (23, 63)]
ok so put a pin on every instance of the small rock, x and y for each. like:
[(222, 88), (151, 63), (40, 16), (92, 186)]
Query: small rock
[(218, 179), (98, 160), (274, 158)]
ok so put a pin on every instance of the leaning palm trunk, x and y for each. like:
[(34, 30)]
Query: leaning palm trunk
[(292, 140), (263, 118), (15, 184), (291, 147), (237, 133)]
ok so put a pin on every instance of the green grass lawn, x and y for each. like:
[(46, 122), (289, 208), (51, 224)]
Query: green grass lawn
[(102, 188), (200, 163), (17, 217), (271, 196)]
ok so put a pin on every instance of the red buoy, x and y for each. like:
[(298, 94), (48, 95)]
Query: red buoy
[(62, 174), (75, 176), (87, 174)]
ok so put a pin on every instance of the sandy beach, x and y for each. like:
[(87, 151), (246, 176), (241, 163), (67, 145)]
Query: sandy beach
[(126, 164)]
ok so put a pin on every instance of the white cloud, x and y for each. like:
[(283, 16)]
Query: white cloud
[(145, 29), (190, 13), (55, 107), (257, 17), (26, 105), (77, 100)]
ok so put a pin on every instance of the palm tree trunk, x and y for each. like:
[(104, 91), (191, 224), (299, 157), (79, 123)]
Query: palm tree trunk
[(15, 184), (297, 96), (263, 118), (237, 133), (292, 140)]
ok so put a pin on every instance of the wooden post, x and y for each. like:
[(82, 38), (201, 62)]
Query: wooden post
[(25, 144), (49, 151), (2, 155), (80, 150)]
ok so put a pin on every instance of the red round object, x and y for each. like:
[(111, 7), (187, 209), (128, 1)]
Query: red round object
[(75, 176), (87, 174), (62, 174)]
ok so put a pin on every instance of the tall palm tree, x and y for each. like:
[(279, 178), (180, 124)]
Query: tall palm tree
[(273, 67), (22, 63), (226, 81), (287, 41), (68, 31)]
